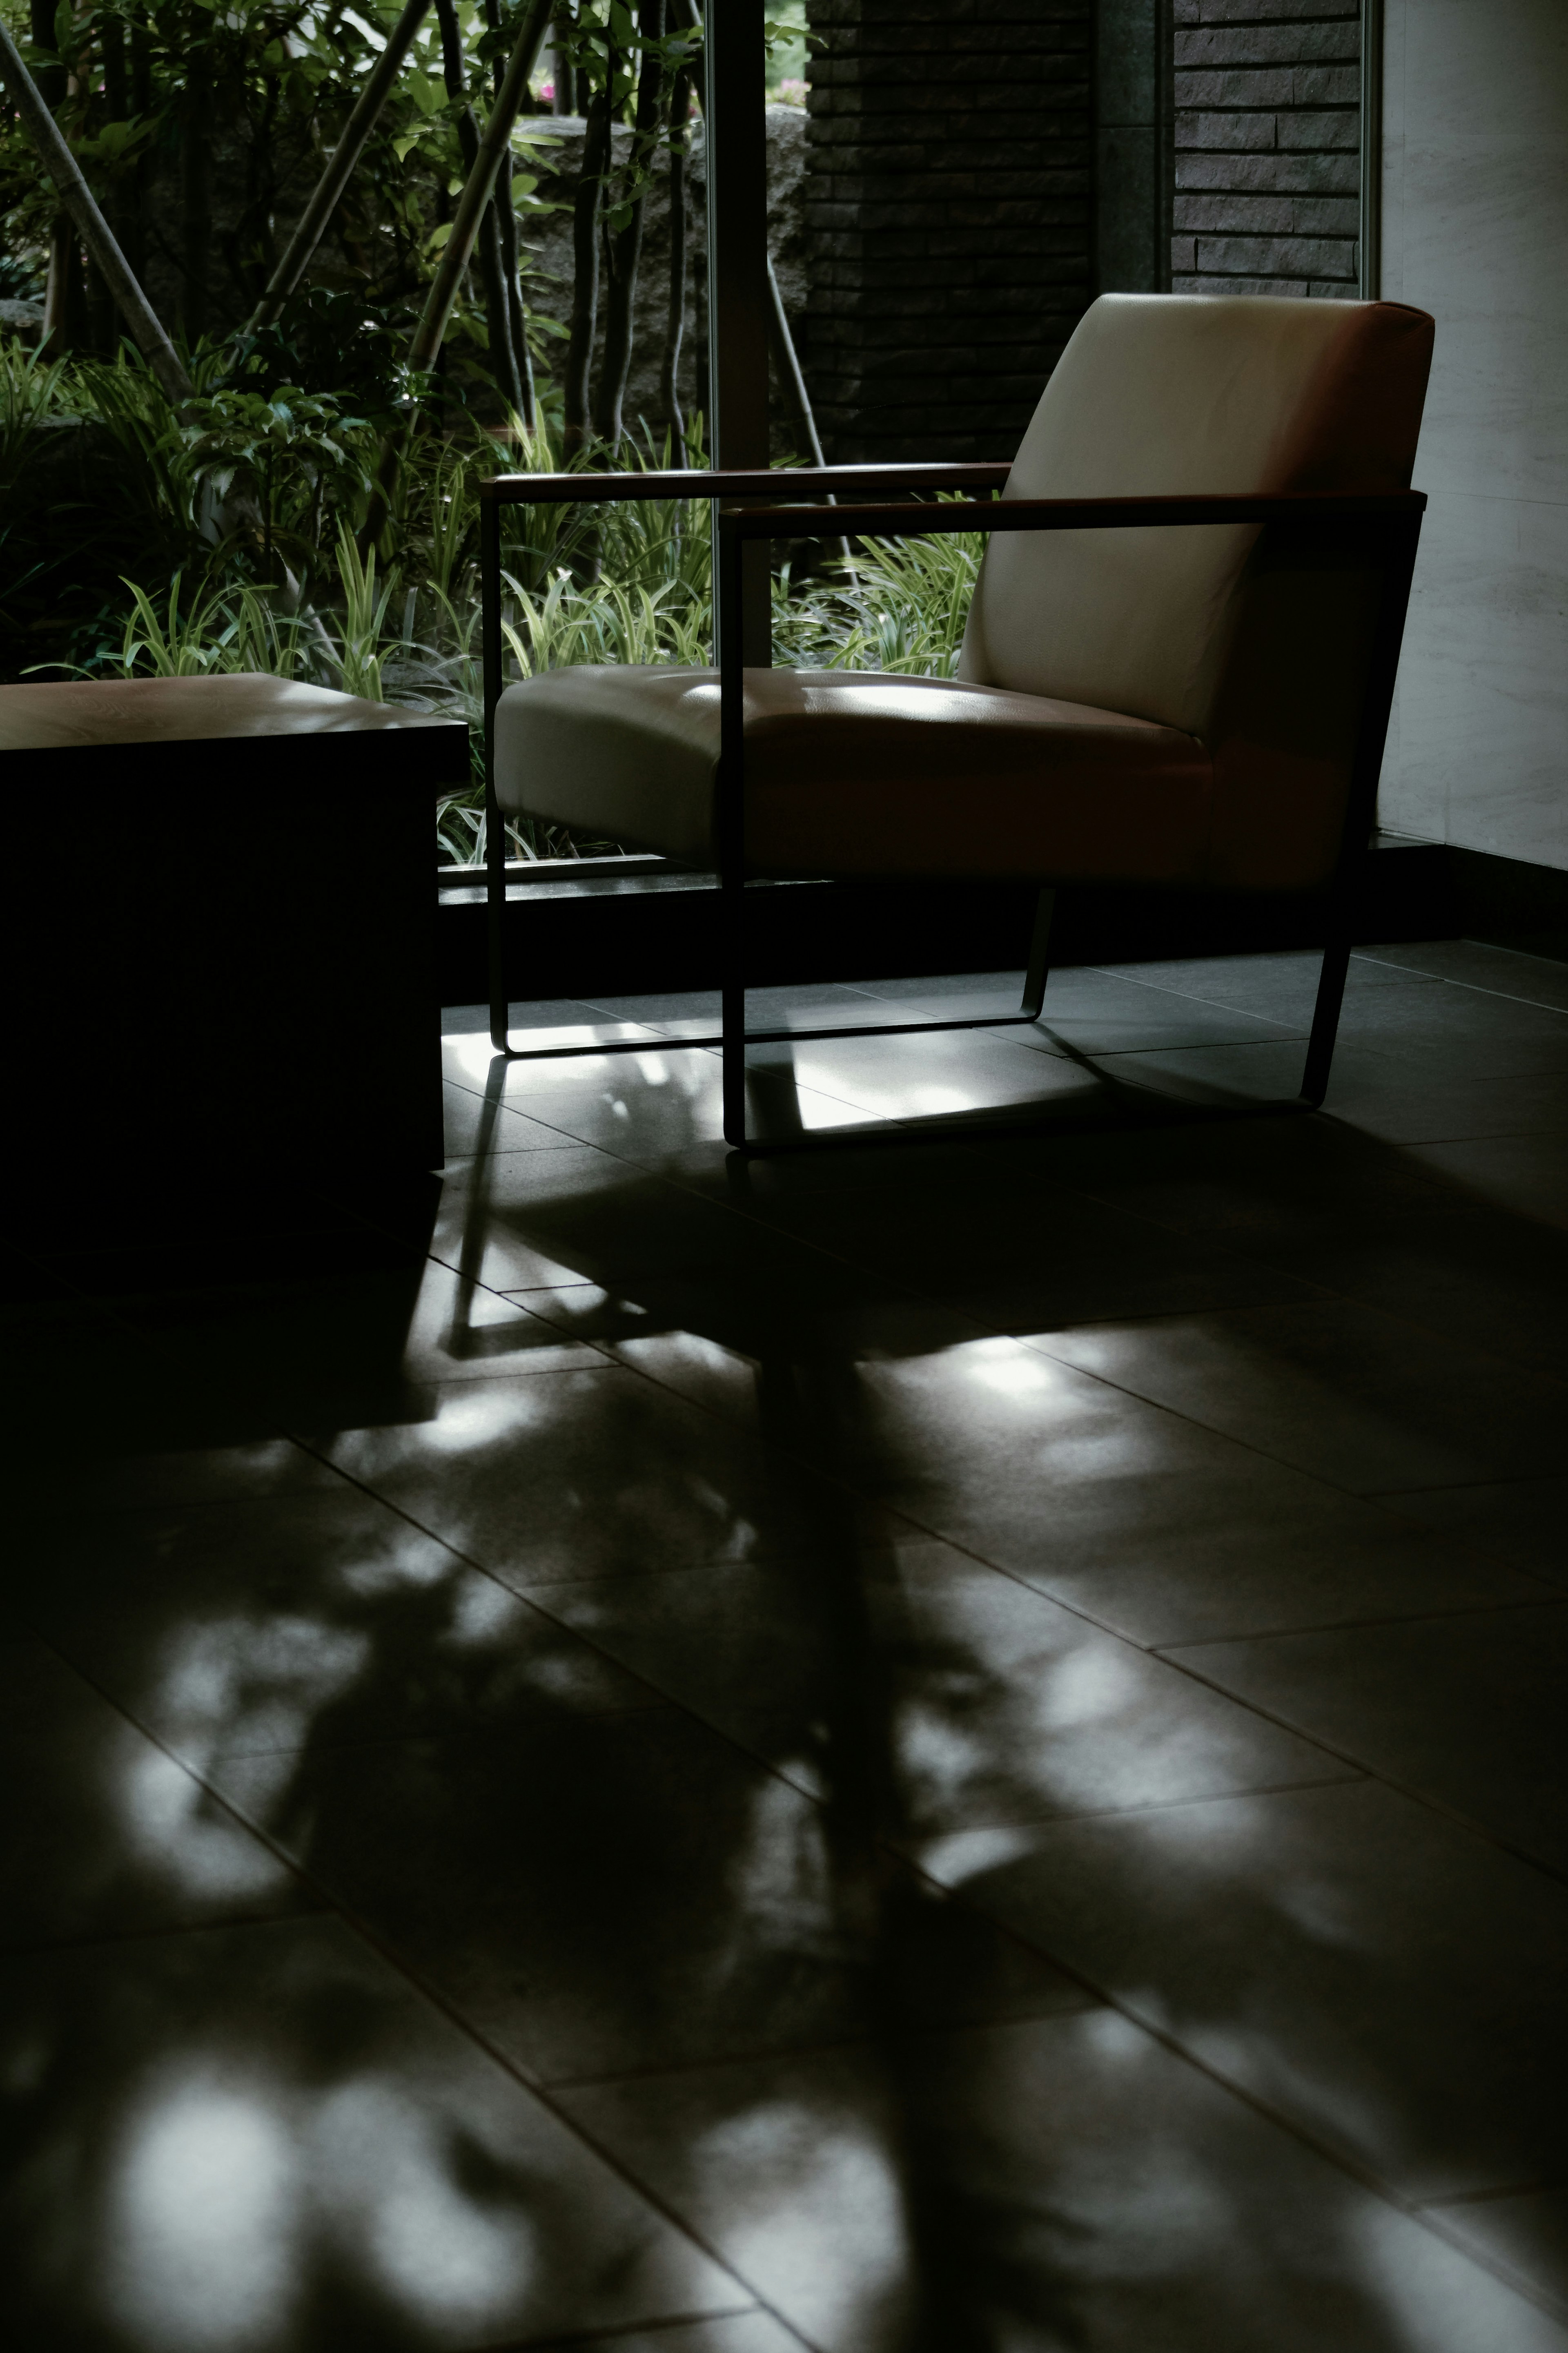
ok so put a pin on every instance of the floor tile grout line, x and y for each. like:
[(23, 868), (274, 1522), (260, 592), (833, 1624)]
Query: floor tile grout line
[(1326, 1295), (1073, 1607), (692, 1189), (755, 1755), (1433, 1179), (111, 1939), (1441, 1807), (471, 1738), (332, 1905), (663, 1044), (1195, 996), (1158, 1225), (1080, 1609), (1113, 1632), (1002, 1573), (617, 2338), (1549, 1597), (1233, 1695), (1289, 1034), (1414, 1144), (1342, 2161), (1471, 1540), (1354, 1777), (412, 1976), (874, 2038), (1549, 1380), (857, 1495), (1475, 987), (447, 1266), (670, 1700), (1468, 2198), (1249, 1258), (1134, 978), (1466, 1487), (1359, 1767), (1381, 964), (1109, 972)]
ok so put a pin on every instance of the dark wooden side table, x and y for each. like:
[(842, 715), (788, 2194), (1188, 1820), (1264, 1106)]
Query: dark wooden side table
[(218, 951)]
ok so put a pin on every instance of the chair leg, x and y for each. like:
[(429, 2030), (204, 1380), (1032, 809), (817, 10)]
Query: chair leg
[(495, 822), (732, 1010), (501, 1004), (1326, 1015), (1039, 956)]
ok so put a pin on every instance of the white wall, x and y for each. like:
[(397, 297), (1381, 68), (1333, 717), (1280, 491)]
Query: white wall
[(1476, 231)]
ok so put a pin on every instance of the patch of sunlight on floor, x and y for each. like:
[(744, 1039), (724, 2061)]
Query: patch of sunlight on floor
[(203, 2219), (828, 2218), (384, 2173), (175, 1825)]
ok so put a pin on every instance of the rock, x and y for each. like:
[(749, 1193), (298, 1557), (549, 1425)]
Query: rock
[(23, 319)]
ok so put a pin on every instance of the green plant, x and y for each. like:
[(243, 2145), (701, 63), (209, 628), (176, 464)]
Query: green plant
[(628, 582), (363, 622), (269, 464), (909, 600), (29, 395), (241, 631)]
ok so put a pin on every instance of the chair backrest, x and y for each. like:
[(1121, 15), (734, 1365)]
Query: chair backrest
[(1171, 393)]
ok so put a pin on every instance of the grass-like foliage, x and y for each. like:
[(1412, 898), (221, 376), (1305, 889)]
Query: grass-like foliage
[(145, 541)]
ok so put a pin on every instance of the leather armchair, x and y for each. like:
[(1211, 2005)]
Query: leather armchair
[(1177, 668)]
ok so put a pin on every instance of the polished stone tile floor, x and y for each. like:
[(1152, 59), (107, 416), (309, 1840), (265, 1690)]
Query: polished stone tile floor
[(956, 1749)]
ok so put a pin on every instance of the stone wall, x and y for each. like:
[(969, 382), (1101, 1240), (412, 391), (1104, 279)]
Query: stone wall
[(1268, 137), (556, 159), (949, 219)]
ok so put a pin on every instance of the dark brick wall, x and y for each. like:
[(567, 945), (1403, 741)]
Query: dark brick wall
[(1268, 132), (949, 219)]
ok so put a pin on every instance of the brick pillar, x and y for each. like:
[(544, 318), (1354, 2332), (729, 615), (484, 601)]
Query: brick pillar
[(1266, 147), (949, 219)]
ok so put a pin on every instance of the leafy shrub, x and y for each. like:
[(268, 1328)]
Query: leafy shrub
[(243, 506)]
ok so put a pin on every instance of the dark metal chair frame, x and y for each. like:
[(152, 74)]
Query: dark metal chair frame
[(1382, 532)]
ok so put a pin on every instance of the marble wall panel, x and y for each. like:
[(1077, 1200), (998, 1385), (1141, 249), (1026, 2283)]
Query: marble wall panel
[(1475, 229), (1480, 755)]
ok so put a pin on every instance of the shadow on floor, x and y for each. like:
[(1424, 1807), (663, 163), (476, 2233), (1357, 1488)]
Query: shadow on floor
[(722, 1765)]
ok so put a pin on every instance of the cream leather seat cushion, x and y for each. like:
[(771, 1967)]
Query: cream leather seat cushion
[(853, 772), (52, 717), (1173, 395)]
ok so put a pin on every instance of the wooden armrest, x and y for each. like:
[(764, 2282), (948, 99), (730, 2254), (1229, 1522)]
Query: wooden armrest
[(1070, 514), (733, 482)]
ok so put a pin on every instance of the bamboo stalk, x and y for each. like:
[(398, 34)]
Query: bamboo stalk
[(141, 170), (456, 253), (51, 86), (586, 213), (675, 314), (787, 362), (498, 321), (506, 215), (624, 250), (478, 187), (324, 202), (77, 198), (196, 196), (506, 221), (117, 108)]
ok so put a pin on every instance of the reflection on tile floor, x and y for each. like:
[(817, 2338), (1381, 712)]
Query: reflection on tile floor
[(912, 1751)]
